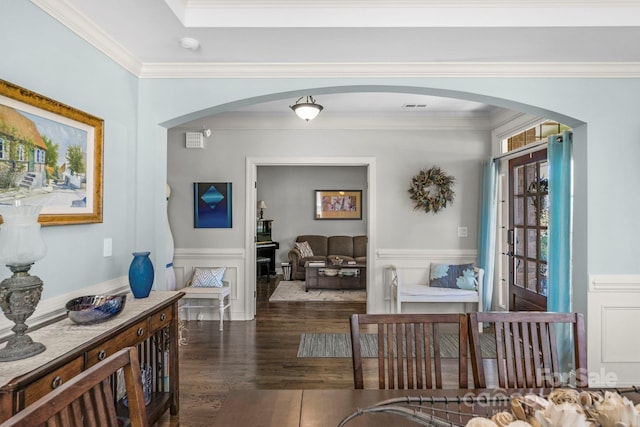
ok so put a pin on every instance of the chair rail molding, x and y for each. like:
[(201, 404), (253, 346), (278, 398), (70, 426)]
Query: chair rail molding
[(413, 257), (613, 306)]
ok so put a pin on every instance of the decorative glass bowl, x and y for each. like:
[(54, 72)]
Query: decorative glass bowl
[(330, 272), (91, 309), (336, 260)]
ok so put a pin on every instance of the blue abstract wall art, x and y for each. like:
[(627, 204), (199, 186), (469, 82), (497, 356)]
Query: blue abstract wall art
[(212, 204)]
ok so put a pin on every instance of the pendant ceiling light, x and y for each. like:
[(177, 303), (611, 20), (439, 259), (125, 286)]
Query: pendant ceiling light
[(307, 110)]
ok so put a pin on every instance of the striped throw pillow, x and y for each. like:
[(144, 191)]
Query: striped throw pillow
[(305, 249)]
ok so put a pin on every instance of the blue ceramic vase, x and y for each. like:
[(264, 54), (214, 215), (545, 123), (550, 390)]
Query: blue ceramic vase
[(141, 275)]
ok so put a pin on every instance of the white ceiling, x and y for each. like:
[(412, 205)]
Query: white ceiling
[(251, 38)]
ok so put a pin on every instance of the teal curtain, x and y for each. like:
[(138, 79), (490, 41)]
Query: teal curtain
[(559, 257), (487, 232)]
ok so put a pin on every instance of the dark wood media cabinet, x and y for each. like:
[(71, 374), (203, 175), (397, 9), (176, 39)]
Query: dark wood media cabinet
[(150, 324)]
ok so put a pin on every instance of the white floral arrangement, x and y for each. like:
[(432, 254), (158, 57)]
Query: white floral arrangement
[(566, 408)]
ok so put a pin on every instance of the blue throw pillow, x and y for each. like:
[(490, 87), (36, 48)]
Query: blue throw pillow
[(460, 276)]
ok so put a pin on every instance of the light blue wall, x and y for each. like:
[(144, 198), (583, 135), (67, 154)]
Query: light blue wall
[(42, 55), (606, 147)]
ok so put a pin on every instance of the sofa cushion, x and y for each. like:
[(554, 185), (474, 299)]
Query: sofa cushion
[(340, 245), (360, 247), (305, 249), (318, 243), (460, 276)]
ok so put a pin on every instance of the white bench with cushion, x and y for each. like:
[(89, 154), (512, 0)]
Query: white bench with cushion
[(436, 284), (207, 284)]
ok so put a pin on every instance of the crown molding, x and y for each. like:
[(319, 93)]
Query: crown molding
[(80, 24), (391, 70), (403, 13), (187, 4)]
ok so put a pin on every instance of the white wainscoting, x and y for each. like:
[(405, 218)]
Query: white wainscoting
[(414, 259), (613, 354), (186, 260)]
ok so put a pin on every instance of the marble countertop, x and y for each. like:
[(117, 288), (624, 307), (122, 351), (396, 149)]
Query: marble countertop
[(65, 336)]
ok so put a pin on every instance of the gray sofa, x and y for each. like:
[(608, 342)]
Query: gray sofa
[(348, 248)]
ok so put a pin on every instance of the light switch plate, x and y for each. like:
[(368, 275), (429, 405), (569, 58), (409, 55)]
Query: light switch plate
[(462, 232), (107, 247)]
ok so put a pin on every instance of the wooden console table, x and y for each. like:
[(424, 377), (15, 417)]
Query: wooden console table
[(315, 277), (149, 323)]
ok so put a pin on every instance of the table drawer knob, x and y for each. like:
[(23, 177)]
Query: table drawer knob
[(140, 332), (57, 382), (102, 355), (162, 317)]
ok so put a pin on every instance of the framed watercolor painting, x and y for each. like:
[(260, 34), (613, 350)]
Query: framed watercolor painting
[(50, 155), (338, 204), (212, 205)]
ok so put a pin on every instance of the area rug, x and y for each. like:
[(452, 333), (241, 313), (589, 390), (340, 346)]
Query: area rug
[(339, 345), (294, 291)]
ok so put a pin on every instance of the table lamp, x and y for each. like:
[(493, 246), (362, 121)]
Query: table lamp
[(262, 205), (20, 246)]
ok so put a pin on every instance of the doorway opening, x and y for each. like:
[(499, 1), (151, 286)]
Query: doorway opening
[(528, 233), (525, 224), (252, 215)]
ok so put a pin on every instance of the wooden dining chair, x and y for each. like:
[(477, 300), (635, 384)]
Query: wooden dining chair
[(87, 399), (409, 349), (526, 350)]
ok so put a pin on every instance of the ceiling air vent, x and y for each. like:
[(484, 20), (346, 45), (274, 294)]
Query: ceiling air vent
[(414, 106), (195, 140)]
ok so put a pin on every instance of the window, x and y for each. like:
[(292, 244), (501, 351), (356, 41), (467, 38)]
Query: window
[(21, 153), (532, 135), (40, 156), (2, 147)]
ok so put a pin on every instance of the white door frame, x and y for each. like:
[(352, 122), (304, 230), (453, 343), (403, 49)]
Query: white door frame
[(252, 164)]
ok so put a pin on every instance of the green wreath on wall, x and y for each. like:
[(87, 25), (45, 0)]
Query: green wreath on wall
[(431, 190)]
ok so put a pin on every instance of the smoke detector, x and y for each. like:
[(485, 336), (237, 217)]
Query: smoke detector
[(189, 43)]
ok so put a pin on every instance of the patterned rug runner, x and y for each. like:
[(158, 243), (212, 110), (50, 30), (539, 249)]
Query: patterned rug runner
[(294, 291), (339, 345)]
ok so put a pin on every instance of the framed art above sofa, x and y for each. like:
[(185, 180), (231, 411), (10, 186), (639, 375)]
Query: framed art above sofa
[(338, 204)]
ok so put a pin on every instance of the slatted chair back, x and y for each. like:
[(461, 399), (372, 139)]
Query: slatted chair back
[(409, 348), (87, 399), (526, 348)]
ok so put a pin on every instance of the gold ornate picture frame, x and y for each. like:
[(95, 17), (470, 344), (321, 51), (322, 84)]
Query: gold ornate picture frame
[(50, 155), (338, 204)]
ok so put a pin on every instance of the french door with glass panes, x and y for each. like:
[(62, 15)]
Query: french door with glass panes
[(528, 231)]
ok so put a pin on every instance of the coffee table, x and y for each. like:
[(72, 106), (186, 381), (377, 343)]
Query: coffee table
[(348, 276)]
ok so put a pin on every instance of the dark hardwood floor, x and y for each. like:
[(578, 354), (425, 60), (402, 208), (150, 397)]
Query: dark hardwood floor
[(258, 354)]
